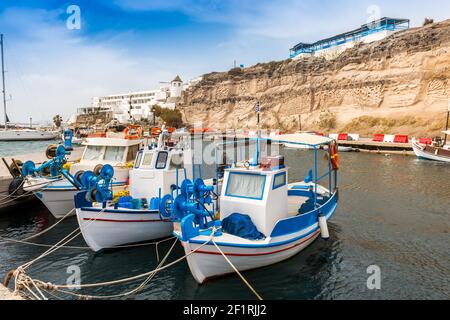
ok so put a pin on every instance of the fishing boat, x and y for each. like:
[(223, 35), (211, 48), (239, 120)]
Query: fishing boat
[(57, 191), (259, 219), (437, 150), (135, 218), (19, 134)]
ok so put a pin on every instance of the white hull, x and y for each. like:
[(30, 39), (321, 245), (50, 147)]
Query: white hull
[(58, 195), (212, 264), (28, 135), (418, 150), (109, 229), (58, 202)]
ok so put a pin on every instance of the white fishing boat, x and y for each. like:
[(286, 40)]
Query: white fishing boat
[(28, 135), (436, 151), (262, 219), (135, 218), (57, 191)]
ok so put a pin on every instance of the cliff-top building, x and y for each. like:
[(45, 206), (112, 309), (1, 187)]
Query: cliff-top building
[(137, 105), (333, 46)]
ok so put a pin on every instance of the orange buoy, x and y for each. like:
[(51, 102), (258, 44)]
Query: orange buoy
[(133, 132), (334, 156)]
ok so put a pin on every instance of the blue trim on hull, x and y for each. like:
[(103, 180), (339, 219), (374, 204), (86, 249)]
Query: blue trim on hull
[(332, 210)]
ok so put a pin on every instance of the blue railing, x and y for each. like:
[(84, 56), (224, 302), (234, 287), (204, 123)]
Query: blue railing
[(338, 42)]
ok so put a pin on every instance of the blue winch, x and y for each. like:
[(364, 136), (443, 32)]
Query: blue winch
[(98, 186), (53, 166), (68, 136), (192, 199)]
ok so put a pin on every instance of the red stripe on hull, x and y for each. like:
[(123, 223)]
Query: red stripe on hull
[(259, 254), (110, 220)]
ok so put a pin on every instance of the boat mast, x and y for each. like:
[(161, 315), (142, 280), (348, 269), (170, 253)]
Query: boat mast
[(3, 79)]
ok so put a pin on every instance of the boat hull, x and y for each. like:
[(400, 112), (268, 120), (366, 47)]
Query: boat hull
[(208, 263), (111, 228), (58, 202), (421, 152), (292, 236), (18, 135)]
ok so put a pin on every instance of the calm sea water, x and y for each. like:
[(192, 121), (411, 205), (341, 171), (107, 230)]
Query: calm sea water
[(393, 212), (14, 148)]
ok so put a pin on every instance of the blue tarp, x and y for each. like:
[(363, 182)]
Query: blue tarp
[(241, 225)]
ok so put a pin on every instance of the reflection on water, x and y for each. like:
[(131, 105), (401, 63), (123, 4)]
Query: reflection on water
[(393, 212)]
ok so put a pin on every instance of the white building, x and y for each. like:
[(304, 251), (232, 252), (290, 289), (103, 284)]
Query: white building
[(138, 105), (334, 46)]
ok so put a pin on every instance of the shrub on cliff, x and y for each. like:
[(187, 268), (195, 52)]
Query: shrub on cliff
[(327, 120), (235, 72), (428, 21), (171, 118)]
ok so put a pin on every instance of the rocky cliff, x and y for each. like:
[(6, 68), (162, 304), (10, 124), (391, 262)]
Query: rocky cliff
[(396, 85)]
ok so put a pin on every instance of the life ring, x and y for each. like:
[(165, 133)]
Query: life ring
[(334, 156), (133, 132)]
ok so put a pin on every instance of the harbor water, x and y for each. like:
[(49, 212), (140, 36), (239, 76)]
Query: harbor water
[(393, 214)]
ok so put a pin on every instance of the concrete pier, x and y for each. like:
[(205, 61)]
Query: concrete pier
[(6, 294)]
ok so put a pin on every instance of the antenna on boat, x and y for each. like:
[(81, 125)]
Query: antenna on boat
[(3, 80), (255, 161)]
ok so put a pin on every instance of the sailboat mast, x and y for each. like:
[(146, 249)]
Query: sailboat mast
[(3, 80)]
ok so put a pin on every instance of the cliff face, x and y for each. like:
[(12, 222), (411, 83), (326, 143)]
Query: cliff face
[(400, 84)]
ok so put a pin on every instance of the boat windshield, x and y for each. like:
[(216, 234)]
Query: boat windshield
[(148, 157), (93, 153), (244, 185), (113, 153)]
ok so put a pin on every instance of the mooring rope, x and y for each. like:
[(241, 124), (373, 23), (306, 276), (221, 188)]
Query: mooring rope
[(128, 293), (237, 271), (22, 280)]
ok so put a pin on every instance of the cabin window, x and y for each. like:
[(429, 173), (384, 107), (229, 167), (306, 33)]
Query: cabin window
[(132, 151), (161, 160), (243, 185), (279, 180), (148, 157), (114, 153), (93, 153), (138, 160)]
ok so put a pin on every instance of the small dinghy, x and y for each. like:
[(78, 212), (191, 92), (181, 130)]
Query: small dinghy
[(135, 218), (260, 219)]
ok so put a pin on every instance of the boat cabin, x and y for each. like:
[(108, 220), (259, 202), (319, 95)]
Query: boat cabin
[(258, 193), (113, 151), (155, 171)]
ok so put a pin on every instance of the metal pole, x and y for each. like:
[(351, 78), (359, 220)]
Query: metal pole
[(315, 177), (3, 79), (446, 124)]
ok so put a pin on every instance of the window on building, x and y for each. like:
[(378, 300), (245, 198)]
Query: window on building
[(244, 185)]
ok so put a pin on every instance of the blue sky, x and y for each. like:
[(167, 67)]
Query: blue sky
[(126, 45)]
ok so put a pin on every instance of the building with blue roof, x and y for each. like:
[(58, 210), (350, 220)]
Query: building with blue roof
[(333, 46)]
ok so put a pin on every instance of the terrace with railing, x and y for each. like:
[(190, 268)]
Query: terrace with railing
[(384, 24)]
